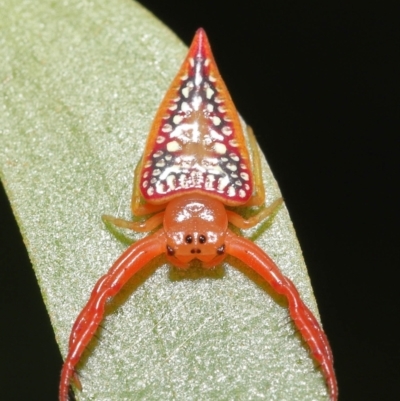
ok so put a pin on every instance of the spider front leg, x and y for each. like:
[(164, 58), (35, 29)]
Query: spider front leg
[(85, 326), (303, 318)]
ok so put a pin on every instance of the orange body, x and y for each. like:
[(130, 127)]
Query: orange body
[(196, 162)]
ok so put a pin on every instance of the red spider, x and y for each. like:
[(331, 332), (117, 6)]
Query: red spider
[(195, 164)]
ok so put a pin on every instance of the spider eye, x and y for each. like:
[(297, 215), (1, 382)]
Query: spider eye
[(221, 250), (170, 251), (189, 239), (202, 239)]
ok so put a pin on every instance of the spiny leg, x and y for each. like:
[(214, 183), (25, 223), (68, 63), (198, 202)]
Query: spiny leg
[(303, 318), (85, 326)]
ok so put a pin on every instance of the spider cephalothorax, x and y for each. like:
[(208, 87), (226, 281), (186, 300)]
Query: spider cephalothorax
[(195, 227)]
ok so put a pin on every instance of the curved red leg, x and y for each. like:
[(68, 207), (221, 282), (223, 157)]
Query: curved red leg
[(306, 323), (85, 326)]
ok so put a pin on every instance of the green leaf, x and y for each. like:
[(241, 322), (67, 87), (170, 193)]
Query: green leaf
[(80, 83)]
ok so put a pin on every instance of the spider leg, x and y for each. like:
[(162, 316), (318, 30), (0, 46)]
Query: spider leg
[(139, 226), (139, 206), (240, 222), (85, 326), (258, 196), (303, 318)]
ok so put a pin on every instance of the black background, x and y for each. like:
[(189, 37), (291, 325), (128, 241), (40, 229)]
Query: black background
[(318, 83)]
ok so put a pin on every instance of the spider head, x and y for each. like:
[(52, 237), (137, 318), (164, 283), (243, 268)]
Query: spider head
[(195, 226)]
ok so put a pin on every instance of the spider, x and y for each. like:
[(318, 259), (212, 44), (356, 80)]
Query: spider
[(196, 163)]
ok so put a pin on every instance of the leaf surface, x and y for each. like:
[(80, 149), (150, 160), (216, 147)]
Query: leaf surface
[(80, 82)]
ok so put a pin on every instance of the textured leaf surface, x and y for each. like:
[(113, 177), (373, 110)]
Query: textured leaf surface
[(80, 82)]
